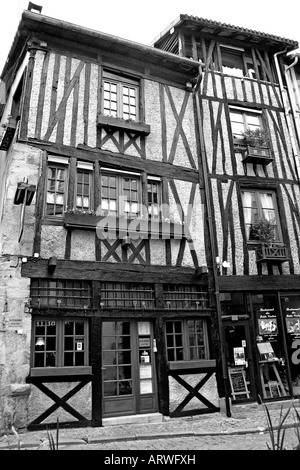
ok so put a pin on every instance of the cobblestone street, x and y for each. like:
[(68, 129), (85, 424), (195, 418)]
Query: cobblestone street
[(251, 441)]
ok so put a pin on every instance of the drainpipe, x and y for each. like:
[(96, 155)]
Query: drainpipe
[(286, 113), (212, 241), (294, 112)]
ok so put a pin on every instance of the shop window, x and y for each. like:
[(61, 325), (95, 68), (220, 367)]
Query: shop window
[(185, 296), (57, 185), (45, 293), (127, 295), (257, 205), (120, 97), (59, 342), (186, 340), (270, 346)]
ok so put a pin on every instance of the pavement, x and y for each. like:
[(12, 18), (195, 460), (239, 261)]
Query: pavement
[(244, 419)]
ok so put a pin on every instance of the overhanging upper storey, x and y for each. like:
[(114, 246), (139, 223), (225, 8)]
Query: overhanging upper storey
[(186, 29), (55, 34)]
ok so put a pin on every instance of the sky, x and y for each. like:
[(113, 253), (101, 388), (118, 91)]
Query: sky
[(141, 21)]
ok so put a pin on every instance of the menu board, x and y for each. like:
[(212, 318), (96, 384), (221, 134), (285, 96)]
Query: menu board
[(292, 320), (267, 323), (238, 382)]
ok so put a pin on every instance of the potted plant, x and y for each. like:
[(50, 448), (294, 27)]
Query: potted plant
[(257, 138), (270, 249), (264, 231), (258, 146)]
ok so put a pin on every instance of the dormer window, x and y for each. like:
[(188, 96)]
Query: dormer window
[(238, 62)]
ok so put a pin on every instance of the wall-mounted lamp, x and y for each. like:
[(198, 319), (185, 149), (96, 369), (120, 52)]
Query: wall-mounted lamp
[(40, 342), (25, 192), (225, 265), (52, 263)]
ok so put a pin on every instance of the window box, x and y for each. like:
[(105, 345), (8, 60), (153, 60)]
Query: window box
[(272, 253), (81, 220), (259, 155), (114, 123), (127, 227)]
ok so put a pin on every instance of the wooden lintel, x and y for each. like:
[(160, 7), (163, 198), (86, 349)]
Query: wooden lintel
[(120, 272), (259, 283), (119, 160)]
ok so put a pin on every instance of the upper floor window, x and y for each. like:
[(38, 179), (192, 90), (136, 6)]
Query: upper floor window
[(120, 96), (57, 180), (186, 340), (154, 198), (259, 204), (238, 62), (120, 193), (242, 119), (84, 187)]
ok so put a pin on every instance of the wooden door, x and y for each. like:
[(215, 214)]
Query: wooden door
[(128, 368)]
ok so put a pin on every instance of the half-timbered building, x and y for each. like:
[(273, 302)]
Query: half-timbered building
[(104, 288), (253, 195), (133, 282)]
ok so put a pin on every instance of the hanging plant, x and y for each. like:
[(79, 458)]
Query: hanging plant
[(257, 138), (264, 231)]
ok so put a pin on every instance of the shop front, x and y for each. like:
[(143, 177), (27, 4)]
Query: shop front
[(262, 344)]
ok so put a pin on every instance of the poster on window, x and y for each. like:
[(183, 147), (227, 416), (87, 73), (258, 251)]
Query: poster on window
[(267, 323), (292, 320), (239, 356)]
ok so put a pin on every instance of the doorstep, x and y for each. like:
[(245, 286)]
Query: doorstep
[(133, 419)]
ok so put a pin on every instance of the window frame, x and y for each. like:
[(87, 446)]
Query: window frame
[(185, 340), (57, 163), (120, 206), (59, 368), (120, 81), (257, 192), (245, 112), (88, 168), (150, 181), (246, 61)]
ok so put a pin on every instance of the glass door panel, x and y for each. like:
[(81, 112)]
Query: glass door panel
[(116, 359), (291, 317)]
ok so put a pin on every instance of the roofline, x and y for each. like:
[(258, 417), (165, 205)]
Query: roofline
[(205, 22), (35, 22)]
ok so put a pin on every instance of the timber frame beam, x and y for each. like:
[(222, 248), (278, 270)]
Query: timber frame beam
[(108, 272)]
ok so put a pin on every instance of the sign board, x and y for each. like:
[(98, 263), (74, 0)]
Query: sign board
[(238, 382), (15, 323), (239, 356), (274, 388)]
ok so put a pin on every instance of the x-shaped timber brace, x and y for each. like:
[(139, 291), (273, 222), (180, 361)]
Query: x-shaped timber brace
[(59, 402), (193, 392)]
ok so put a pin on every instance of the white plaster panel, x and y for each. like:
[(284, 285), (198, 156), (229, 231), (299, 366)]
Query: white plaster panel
[(34, 98), (153, 118), (48, 94), (53, 241), (83, 245)]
